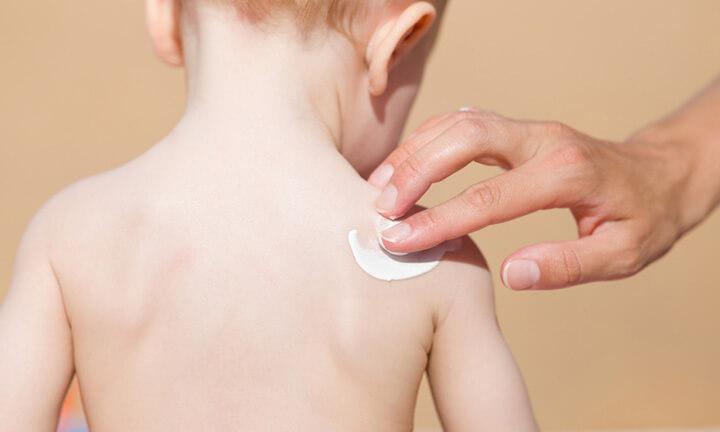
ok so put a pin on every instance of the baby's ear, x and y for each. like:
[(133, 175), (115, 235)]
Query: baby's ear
[(393, 39), (163, 21)]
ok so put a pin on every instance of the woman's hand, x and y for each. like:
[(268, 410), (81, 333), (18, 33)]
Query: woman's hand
[(631, 200)]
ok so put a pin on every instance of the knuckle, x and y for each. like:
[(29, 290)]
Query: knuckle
[(461, 116), (572, 267), (400, 154), (429, 218), (483, 196), (557, 129), (629, 259), (411, 168), (629, 263), (573, 154), (474, 128)]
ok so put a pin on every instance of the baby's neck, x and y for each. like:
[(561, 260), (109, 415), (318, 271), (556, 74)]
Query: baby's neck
[(269, 152), (266, 137), (255, 95)]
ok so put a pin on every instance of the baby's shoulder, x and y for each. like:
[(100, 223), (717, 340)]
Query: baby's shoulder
[(84, 200), (462, 267), (81, 216), (462, 277), (455, 270)]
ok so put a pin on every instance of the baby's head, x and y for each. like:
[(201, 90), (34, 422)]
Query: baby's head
[(362, 61)]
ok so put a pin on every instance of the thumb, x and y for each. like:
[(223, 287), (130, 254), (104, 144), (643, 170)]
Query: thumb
[(545, 266)]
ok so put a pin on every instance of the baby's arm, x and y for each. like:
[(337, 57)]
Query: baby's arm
[(475, 382), (36, 360)]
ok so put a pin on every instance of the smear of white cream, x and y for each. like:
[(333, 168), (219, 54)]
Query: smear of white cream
[(380, 264)]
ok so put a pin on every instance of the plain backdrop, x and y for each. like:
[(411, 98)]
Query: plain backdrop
[(80, 92)]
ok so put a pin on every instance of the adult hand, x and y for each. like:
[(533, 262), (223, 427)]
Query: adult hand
[(631, 200)]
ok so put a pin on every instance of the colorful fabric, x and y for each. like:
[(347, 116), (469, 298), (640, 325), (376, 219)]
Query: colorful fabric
[(72, 417)]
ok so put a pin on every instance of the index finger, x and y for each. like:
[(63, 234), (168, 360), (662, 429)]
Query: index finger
[(481, 137), (425, 133)]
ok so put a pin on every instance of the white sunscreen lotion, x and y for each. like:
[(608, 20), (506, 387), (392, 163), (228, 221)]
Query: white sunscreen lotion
[(381, 264)]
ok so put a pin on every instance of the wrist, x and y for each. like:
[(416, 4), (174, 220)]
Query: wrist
[(690, 159)]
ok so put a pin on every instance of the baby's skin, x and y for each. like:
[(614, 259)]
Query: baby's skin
[(186, 300), (209, 285)]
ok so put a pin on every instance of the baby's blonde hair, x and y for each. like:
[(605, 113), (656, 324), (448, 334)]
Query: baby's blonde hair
[(335, 13)]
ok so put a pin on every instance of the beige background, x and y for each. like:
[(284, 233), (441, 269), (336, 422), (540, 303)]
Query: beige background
[(81, 92)]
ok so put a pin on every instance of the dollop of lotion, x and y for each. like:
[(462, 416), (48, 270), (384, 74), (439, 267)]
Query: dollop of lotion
[(381, 264)]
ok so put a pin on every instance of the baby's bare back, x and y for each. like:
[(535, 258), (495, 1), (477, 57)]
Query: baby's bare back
[(203, 306), (190, 290)]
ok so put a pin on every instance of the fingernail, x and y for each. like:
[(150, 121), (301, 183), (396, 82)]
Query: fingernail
[(382, 245), (397, 233), (467, 109), (381, 177), (386, 202), (521, 274)]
